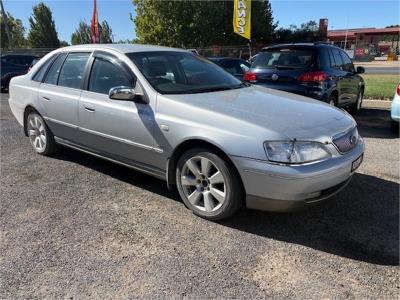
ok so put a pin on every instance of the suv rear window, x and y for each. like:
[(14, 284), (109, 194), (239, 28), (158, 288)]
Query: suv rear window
[(287, 58)]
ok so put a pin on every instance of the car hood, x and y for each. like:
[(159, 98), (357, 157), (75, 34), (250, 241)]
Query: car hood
[(289, 114)]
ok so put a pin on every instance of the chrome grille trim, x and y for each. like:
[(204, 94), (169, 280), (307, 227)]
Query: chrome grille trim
[(347, 141)]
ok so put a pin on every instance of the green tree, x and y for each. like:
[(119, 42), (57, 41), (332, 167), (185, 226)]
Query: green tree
[(81, 34), (17, 32), (43, 33), (308, 32), (197, 23), (105, 33), (64, 44)]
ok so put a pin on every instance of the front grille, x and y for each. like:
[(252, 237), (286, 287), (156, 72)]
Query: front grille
[(346, 141)]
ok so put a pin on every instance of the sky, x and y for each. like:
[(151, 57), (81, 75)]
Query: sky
[(340, 13)]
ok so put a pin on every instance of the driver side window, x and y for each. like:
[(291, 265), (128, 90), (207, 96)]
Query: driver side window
[(106, 75)]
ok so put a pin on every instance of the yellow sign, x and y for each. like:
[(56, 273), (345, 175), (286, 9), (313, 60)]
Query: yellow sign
[(242, 18)]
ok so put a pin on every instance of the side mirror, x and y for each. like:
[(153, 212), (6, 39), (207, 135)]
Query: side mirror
[(122, 93), (360, 70)]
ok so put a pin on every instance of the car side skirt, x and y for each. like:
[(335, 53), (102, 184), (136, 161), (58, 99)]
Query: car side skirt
[(161, 174)]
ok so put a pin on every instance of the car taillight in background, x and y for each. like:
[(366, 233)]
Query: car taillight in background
[(250, 76), (398, 90), (314, 76)]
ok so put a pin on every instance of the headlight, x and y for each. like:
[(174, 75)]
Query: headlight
[(293, 152)]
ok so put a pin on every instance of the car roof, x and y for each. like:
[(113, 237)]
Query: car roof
[(123, 48), (224, 58), (305, 45)]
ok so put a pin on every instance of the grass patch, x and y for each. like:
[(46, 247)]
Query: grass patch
[(380, 86)]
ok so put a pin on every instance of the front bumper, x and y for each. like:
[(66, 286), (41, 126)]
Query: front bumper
[(277, 187)]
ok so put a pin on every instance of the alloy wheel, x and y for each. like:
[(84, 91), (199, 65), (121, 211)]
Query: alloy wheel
[(203, 184), (37, 132)]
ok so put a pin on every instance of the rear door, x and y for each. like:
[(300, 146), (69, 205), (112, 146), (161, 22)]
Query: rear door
[(354, 80), (59, 93), (342, 77)]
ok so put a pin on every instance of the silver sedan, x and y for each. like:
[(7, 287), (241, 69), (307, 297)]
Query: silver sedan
[(166, 112)]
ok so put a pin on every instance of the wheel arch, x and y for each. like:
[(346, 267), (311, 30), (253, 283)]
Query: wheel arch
[(28, 109), (190, 144)]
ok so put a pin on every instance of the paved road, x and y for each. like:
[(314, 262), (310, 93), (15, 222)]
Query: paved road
[(378, 70), (75, 226)]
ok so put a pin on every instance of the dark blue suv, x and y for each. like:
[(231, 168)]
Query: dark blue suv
[(319, 70), (14, 65)]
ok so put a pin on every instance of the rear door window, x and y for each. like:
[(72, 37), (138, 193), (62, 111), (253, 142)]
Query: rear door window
[(52, 75), (348, 64), (287, 58), (71, 74), (338, 59)]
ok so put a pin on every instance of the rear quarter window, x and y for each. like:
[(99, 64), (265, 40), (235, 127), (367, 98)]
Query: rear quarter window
[(39, 75)]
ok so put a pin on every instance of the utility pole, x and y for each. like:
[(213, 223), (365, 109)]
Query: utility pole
[(5, 21)]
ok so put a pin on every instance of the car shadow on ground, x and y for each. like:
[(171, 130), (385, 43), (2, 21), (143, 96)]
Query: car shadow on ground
[(360, 223), (375, 123)]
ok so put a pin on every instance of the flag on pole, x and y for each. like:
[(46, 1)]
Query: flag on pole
[(94, 25), (242, 18)]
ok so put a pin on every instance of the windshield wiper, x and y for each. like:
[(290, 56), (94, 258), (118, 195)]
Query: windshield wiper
[(208, 90), (283, 67)]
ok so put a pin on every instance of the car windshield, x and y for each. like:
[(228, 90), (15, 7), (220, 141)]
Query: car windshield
[(172, 72), (284, 58)]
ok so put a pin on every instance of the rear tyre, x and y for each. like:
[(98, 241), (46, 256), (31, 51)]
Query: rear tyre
[(332, 100), (356, 107), (395, 127), (208, 185), (40, 136)]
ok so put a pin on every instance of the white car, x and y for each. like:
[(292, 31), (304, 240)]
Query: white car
[(395, 110)]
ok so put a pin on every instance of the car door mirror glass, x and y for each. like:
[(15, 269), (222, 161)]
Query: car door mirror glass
[(122, 93), (360, 70)]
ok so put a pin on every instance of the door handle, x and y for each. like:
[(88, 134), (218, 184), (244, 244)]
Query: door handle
[(89, 109), (46, 98)]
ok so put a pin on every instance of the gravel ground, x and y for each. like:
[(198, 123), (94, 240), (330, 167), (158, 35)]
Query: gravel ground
[(73, 226)]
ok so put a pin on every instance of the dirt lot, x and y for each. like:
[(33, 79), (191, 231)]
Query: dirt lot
[(73, 226)]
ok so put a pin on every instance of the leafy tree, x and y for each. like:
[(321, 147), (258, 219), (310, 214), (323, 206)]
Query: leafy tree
[(308, 32), (43, 33), (105, 33), (197, 23), (17, 32), (64, 44), (81, 34)]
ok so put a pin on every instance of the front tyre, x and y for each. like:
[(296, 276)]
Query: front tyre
[(208, 184), (356, 107), (40, 136)]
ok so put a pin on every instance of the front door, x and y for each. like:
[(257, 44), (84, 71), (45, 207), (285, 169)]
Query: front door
[(119, 129)]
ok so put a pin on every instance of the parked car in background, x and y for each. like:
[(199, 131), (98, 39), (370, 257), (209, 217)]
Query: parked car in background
[(395, 110), (34, 62), (235, 66), (317, 70), (177, 116), (13, 65)]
